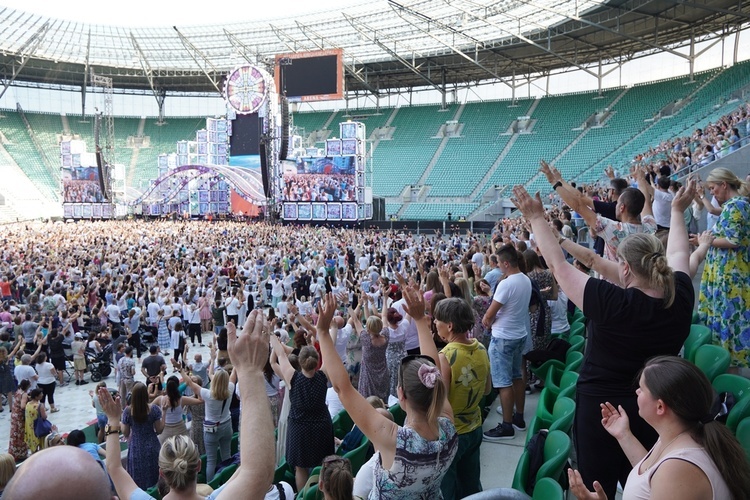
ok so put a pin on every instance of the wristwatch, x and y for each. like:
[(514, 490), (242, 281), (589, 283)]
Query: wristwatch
[(556, 185), (109, 429)]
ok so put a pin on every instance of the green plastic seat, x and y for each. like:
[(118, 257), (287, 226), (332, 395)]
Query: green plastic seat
[(739, 412), (235, 445), (359, 455), (342, 424), (743, 436), (699, 335), (573, 361), (399, 415), (577, 328), (713, 360), (223, 476), (522, 473), (696, 318), (557, 449), (545, 405), (562, 418), (737, 385), (577, 316), (202, 473), (577, 343), (558, 381), (153, 492), (547, 489)]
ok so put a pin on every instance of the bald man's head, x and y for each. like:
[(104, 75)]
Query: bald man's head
[(62, 473)]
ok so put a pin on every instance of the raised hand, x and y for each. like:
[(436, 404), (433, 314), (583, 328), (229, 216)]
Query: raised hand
[(529, 207), (685, 196), (615, 420), (249, 349), (111, 407), (415, 304), (550, 172), (326, 310), (579, 489)]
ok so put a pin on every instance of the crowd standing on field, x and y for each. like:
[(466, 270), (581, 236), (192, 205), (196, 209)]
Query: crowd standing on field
[(300, 321)]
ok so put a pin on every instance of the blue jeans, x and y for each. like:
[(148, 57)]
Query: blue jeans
[(462, 478), (220, 440), (505, 360)]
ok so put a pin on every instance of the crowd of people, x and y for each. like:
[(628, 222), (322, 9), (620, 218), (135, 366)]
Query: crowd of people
[(712, 142), (319, 187), (302, 321)]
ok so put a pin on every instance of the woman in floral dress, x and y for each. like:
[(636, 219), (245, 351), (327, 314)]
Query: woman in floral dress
[(17, 446), (725, 284)]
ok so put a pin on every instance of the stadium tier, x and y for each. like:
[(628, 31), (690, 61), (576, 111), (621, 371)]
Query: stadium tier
[(451, 157)]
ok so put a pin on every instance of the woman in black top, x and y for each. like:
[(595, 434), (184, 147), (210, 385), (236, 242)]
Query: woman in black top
[(645, 313), (57, 354)]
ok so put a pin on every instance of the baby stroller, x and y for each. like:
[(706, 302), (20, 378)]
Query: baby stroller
[(99, 364)]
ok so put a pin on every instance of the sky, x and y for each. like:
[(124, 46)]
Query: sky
[(135, 13)]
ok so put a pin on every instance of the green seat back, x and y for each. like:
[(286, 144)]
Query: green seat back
[(739, 412), (576, 343), (737, 385), (696, 318), (743, 436), (153, 492), (557, 449), (522, 472), (235, 445), (573, 361), (546, 404), (713, 360), (562, 414), (577, 329), (547, 489), (542, 370), (399, 415), (359, 455), (699, 335), (342, 424), (223, 476)]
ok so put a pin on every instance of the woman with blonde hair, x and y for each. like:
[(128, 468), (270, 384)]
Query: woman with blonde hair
[(643, 308), (7, 469), (217, 423), (725, 284), (374, 379)]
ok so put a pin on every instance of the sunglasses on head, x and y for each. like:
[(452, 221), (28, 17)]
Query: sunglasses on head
[(407, 359)]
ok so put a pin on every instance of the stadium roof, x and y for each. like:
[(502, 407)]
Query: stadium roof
[(387, 44)]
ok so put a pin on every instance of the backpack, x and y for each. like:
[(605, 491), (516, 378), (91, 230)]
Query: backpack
[(535, 449), (537, 303)]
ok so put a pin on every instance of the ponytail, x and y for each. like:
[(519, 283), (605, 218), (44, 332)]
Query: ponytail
[(423, 385), (661, 276), (645, 255), (727, 454)]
